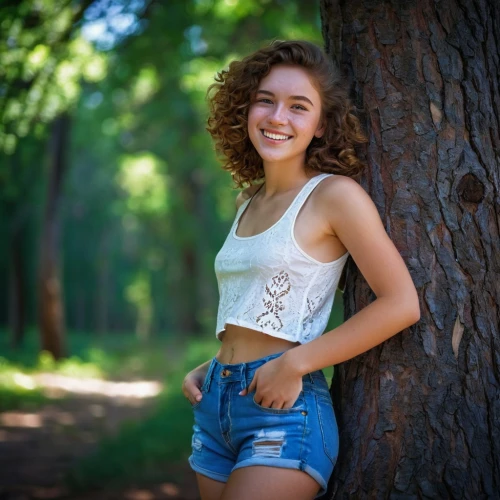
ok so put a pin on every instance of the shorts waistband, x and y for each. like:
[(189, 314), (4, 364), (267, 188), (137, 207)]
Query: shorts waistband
[(243, 372)]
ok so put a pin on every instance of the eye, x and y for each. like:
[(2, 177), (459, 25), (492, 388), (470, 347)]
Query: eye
[(265, 100), (299, 106)]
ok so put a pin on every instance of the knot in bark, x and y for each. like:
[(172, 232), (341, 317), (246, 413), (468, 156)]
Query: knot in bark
[(470, 189)]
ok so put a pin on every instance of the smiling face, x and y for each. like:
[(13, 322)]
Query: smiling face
[(285, 116)]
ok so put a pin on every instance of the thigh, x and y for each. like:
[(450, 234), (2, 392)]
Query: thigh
[(209, 488), (269, 483)]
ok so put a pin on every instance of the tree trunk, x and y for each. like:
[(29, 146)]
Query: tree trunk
[(51, 313), (188, 288), (17, 292), (188, 318), (17, 289), (104, 288), (419, 416)]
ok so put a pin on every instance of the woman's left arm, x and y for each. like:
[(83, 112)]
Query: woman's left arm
[(354, 219)]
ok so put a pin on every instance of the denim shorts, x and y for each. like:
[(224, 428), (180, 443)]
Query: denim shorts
[(232, 431)]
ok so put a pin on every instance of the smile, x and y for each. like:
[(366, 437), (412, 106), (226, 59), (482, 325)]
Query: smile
[(275, 137)]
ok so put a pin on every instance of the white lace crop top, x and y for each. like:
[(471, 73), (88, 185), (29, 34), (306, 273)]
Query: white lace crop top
[(269, 284)]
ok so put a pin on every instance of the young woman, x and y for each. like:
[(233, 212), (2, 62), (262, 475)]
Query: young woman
[(264, 422)]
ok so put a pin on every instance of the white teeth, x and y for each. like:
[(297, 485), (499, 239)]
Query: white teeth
[(276, 137)]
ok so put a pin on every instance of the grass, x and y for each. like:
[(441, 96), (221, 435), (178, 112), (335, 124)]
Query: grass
[(15, 394), (110, 356)]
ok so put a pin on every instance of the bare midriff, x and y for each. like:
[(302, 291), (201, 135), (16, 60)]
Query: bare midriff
[(242, 345)]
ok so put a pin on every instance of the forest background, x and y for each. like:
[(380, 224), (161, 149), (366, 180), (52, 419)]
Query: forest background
[(144, 205), (112, 209)]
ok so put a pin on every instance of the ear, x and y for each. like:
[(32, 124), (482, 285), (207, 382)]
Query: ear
[(320, 130)]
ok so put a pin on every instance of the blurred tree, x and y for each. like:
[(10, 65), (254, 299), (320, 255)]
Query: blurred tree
[(17, 207), (41, 64), (50, 303), (420, 414)]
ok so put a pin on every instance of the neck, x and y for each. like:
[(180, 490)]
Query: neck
[(280, 178)]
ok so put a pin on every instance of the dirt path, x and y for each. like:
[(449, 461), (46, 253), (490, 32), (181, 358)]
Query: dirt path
[(37, 448)]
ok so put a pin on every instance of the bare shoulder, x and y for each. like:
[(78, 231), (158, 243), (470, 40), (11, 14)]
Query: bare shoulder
[(342, 194), (245, 194), (337, 183), (345, 204)]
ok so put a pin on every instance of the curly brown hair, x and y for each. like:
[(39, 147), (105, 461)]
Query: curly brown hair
[(235, 88)]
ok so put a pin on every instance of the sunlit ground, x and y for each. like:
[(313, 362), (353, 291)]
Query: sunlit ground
[(137, 389), (110, 422), (56, 386), (108, 394), (42, 443)]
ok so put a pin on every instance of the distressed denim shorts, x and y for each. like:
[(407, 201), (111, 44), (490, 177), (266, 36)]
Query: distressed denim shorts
[(232, 431)]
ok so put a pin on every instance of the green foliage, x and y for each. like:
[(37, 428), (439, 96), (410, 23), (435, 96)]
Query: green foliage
[(142, 178), (17, 390), (120, 356), (41, 65)]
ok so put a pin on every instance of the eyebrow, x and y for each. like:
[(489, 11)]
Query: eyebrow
[(294, 97)]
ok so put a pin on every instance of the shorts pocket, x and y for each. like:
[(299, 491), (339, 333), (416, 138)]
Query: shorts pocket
[(328, 425), (297, 406)]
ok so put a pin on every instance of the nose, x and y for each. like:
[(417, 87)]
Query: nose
[(278, 115)]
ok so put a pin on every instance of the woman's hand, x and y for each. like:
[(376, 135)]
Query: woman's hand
[(191, 386), (276, 384)]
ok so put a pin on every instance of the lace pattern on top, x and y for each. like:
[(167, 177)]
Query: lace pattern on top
[(279, 287), (267, 283)]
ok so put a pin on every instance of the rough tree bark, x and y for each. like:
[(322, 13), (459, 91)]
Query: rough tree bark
[(419, 416), (50, 304)]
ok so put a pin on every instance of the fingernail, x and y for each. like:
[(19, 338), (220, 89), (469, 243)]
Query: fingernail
[(198, 397), (241, 392)]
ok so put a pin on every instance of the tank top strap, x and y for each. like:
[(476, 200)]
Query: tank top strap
[(304, 194), (240, 210), (244, 205)]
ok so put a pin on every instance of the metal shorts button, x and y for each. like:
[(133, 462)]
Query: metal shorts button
[(225, 373)]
